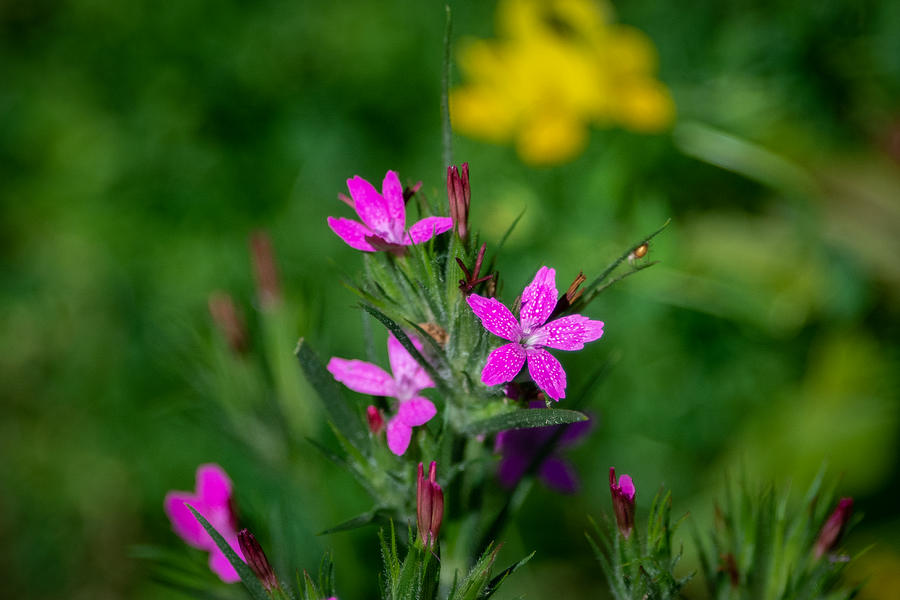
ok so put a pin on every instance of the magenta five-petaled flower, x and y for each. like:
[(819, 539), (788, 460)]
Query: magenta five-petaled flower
[(408, 380), (212, 499), (383, 218), (531, 334)]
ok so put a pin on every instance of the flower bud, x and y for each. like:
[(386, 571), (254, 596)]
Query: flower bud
[(834, 527), (623, 501), (429, 505), (375, 419), (257, 561), (229, 321), (268, 286), (459, 194)]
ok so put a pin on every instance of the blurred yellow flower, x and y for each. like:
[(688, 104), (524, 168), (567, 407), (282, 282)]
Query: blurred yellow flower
[(558, 66)]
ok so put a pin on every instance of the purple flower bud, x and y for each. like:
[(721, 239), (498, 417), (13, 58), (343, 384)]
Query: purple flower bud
[(429, 505), (268, 285), (257, 561), (459, 194), (375, 419), (229, 321), (834, 527), (623, 501)]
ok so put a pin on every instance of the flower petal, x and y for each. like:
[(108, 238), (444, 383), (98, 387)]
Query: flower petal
[(427, 228), (569, 333), (547, 373), (538, 299), (392, 192), (503, 364), (512, 468), (559, 475), (213, 485), (183, 521), (627, 486), (398, 436), (362, 377), (352, 232), (417, 411), (495, 317), (409, 375), (220, 565), (574, 432), (370, 206)]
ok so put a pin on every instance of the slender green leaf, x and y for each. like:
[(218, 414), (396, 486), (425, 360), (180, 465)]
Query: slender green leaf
[(339, 410), (612, 266), (406, 343), (362, 520), (497, 581), (254, 587), (525, 418)]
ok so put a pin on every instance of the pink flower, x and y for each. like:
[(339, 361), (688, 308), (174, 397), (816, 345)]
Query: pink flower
[(408, 380), (531, 334), (383, 218), (212, 499)]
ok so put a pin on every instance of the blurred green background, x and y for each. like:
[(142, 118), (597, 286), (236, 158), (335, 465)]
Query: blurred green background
[(141, 143)]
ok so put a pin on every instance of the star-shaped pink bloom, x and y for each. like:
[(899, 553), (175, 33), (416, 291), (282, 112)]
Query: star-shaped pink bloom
[(529, 336), (212, 499), (383, 217), (408, 380)]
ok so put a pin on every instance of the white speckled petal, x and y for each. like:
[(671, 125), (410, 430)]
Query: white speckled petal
[(539, 299), (495, 317), (503, 364), (547, 373), (568, 333)]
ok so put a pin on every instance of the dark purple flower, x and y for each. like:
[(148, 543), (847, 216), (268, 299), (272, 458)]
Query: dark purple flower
[(520, 447)]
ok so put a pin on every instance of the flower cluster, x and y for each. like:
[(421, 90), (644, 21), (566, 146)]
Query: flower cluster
[(557, 67)]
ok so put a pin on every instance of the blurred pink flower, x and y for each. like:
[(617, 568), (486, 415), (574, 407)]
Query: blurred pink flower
[(383, 218), (408, 379), (531, 334), (212, 499)]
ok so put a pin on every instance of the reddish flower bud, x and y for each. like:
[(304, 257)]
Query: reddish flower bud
[(429, 505), (268, 286), (459, 193), (834, 527), (257, 561), (229, 321), (375, 419), (623, 501)]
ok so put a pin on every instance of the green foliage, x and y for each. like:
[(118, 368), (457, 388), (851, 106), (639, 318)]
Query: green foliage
[(762, 546), (416, 577), (254, 589), (642, 565)]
